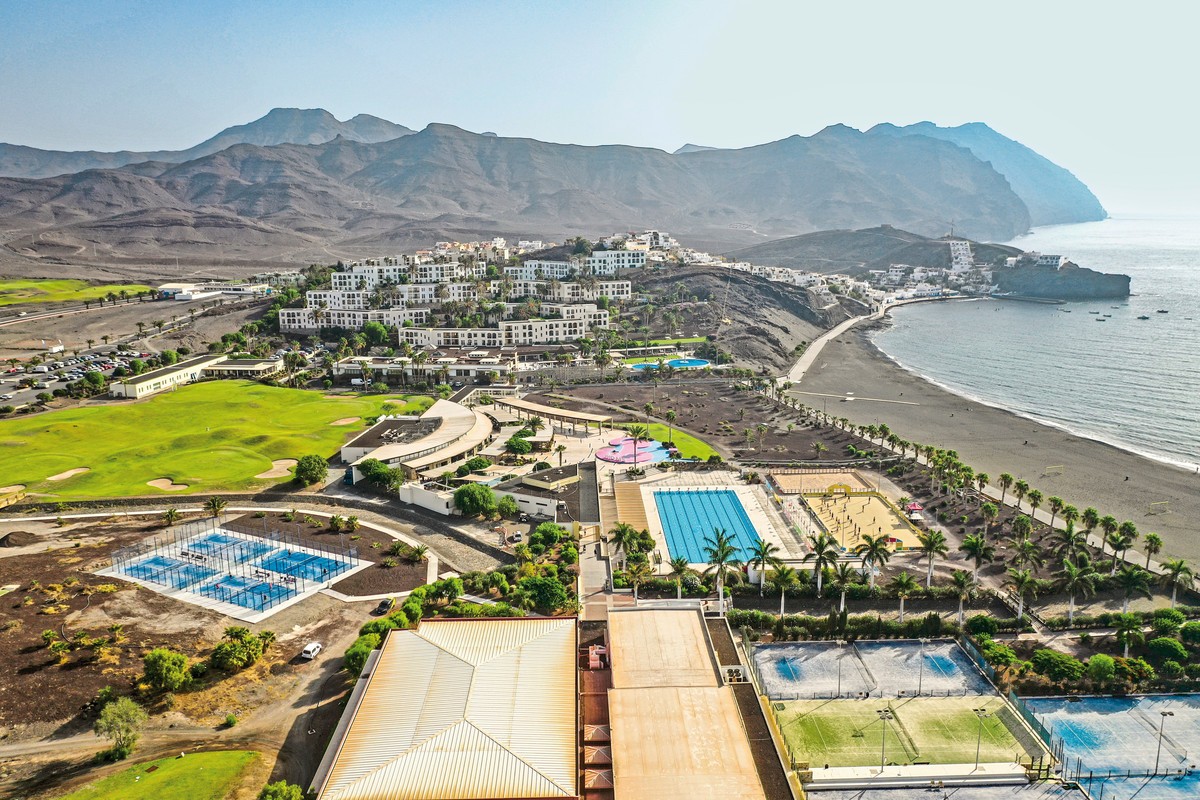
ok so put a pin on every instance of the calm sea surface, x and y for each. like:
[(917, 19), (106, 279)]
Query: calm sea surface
[(1133, 383)]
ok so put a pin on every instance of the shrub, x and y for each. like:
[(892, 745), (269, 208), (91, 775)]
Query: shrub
[(518, 446), (1101, 668), (230, 720), (198, 670), (355, 657), (507, 506), (165, 669), (378, 626), (474, 499), (548, 594), (569, 555), (1171, 669), (998, 655), (1167, 621), (550, 533), (1190, 633), (982, 624), (1057, 666), (1165, 648), (281, 790)]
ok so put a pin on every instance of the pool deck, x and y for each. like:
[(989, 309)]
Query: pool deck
[(763, 516)]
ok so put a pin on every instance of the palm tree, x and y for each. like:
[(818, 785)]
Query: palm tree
[(762, 555), (1077, 578), (637, 574), (964, 586), (844, 576), (1153, 545), (1022, 527), (905, 587), (1023, 584), (1128, 628), (1119, 544), (1090, 519), (1108, 523), (932, 545), (1068, 543), (1026, 553), (1020, 489), (638, 433), (1070, 515), (1056, 505), (979, 551), (1176, 573), (535, 423), (818, 448), (783, 578), (215, 505), (1006, 482), (1132, 580), (990, 512), (625, 539), (722, 559), (560, 449), (670, 417), (982, 479), (1035, 501), (170, 517), (824, 552), (875, 552), (521, 599), (1130, 532), (679, 568)]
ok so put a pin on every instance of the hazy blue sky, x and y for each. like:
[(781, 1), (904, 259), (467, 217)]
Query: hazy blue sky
[(1102, 88)]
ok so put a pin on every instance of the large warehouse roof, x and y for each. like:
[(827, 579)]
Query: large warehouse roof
[(464, 709), (677, 733)]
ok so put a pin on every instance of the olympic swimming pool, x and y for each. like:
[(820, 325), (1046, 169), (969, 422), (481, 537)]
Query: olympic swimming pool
[(689, 516)]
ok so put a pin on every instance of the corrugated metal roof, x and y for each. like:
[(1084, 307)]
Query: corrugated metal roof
[(465, 709)]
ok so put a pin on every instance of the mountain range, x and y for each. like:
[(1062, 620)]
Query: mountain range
[(300, 182)]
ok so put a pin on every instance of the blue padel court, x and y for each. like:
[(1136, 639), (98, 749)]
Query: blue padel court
[(689, 516), (302, 565), (237, 569)]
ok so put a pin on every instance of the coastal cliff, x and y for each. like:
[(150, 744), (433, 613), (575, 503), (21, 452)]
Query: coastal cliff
[(1071, 282)]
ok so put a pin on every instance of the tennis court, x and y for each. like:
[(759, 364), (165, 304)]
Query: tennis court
[(1116, 740), (170, 572), (247, 592), (925, 730), (880, 669), (226, 546), (301, 565)]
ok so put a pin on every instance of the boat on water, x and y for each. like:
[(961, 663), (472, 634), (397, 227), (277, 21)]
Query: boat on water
[(1163, 311), (1106, 316), (1143, 316), (1093, 312), (1065, 310), (1101, 319)]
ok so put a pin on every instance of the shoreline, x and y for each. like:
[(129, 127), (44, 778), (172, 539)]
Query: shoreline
[(993, 439)]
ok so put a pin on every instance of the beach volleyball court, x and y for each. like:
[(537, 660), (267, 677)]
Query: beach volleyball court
[(818, 482), (849, 517)]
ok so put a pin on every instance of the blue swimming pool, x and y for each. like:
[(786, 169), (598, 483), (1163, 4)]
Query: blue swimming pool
[(690, 515), (677, 363)]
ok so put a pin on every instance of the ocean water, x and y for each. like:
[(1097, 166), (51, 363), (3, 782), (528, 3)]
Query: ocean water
[(1129, 382)]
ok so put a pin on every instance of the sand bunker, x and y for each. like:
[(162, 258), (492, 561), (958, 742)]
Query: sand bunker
[(345, 421), (62, 476), (279, 468), (166, 485), (16, 487)]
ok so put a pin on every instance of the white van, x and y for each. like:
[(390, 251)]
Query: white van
[(357, 382)]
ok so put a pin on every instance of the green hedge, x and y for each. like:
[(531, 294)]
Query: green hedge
[(1109, 618)]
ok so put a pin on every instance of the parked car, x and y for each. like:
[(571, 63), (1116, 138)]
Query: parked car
[(311, 650), (6, 397), (385, 605)]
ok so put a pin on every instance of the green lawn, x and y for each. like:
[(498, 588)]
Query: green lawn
[(198, 776), (652, 359), (848, 733), (14, 291), (682, 340), (210, 436), (689, 446)]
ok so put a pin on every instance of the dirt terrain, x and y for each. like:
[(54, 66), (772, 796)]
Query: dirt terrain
[(713, 412)]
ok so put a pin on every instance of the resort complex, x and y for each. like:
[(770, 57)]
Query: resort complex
[(491, 522)]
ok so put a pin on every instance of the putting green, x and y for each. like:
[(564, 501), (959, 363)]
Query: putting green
[(199, 776), (210, 436), (13, 292), (933, 730)]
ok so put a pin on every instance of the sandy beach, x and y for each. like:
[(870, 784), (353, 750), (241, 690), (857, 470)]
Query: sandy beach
[(993, 440)]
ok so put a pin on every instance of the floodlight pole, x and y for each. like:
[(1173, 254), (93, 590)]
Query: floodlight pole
[(982, 714), (839, 647), (921, 672), (1162, 723), (884, 715)]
